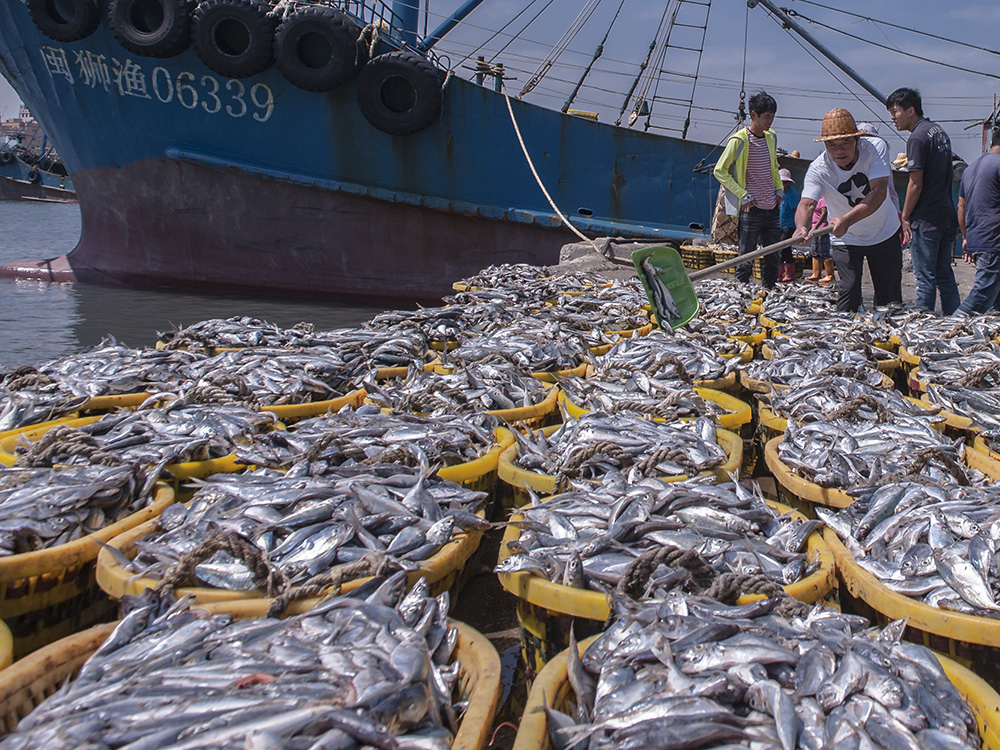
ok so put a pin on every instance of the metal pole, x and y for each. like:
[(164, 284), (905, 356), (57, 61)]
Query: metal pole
[(435, 36), (407, 14), (794, 26)]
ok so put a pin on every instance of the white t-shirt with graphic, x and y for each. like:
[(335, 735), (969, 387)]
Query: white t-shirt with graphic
[(844, 189)]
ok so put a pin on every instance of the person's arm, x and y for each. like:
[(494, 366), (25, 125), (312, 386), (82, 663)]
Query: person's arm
[(913, 191), (803, 220), (723, 165), (868, 205), (961, 227)]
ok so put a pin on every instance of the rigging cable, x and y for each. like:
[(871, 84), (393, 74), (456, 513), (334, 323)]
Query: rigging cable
[(642, 69), (575, 28), (597, 53), (741, 113), (897, 26), (892, 49), (531, 165), (879, 117)]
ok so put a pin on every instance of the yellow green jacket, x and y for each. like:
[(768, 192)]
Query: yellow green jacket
[(731, 169)]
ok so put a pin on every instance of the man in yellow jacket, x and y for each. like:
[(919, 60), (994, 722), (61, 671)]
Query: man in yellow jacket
[(748, 171)]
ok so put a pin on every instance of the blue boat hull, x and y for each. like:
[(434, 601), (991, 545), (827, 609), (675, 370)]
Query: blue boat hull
[(187, 178)]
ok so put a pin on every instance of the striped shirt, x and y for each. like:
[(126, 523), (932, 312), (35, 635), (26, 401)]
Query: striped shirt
[(760, 183)]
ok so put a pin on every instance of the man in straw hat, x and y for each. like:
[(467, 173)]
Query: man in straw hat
[(852, 178), (748, 172), (930, 222)]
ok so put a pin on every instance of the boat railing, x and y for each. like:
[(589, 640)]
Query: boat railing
[(379, 14)]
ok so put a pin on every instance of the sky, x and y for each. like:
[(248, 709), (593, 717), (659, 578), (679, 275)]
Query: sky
[(776, 61)]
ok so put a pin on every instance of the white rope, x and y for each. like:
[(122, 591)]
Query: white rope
[(538, 179)]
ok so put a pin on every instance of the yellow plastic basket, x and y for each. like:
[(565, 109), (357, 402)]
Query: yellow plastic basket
[(293, 412), (556, 375), (48, 594), (6, 647), (972, 641), (27, 683), (545, 484), (551, 688), (804, 490), (547, 610)]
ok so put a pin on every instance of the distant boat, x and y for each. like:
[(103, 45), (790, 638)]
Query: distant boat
[(327, 151), (20, 180)]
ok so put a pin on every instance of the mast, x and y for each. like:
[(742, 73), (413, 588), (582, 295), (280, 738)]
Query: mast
[(794, 26), (407, 14), (449, 23)]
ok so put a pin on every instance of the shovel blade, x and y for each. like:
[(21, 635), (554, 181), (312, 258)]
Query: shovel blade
[(668, 288)]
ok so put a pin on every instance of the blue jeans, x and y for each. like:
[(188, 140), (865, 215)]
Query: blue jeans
[(932, 252), (763, 226), (985, 293)]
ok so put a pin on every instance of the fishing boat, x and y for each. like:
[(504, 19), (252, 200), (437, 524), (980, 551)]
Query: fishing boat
[(21, 179), (322, 148)]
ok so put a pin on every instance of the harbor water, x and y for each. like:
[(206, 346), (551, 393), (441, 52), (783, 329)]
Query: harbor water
[(45, 321)]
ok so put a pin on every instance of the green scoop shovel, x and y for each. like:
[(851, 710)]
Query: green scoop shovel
[(669, 288)]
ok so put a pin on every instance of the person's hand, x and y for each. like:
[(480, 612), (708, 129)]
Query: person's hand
[(965, 252), (907, 232), (801, 236), (747, 203), (840, 226)]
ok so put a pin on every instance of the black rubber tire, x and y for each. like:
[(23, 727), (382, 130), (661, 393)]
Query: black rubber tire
[(65, 20), (400, 92), (317, 48), (34, 177), (235, 38), (6, 157), (151, 28)]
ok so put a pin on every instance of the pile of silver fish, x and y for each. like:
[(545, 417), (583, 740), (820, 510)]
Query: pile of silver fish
[(587, 537), (596, 443), (794, 361), (309, 525), (663, 356), (719, 333), (469, 389), (850, 329), (855, 454), (691, 672), (545, 349), (665, 399), (271, 377), (981, 405), (25, 408), (795, 301), (45, 508), (977, 367), (726, 297), (444, 325), (236, 332), (30, 395), (936, 544), (108, 369), (368, 436), (917, 330), (376, 671), (815, 399), (174, 433)]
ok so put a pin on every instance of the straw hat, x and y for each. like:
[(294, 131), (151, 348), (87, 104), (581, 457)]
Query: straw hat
[(785, 175), (838, 123)]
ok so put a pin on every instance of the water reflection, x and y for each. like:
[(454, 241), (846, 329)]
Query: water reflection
[(45, 321)]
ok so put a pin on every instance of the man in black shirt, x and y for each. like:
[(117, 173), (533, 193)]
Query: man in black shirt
[(930, 223)]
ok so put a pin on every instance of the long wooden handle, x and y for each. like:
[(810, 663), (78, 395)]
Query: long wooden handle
[(739, 260)]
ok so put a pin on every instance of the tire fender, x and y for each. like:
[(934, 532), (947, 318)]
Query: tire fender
[(67, 20), (34, 177), (151, 28), (400, 92), (235, 38), (317, 48)]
